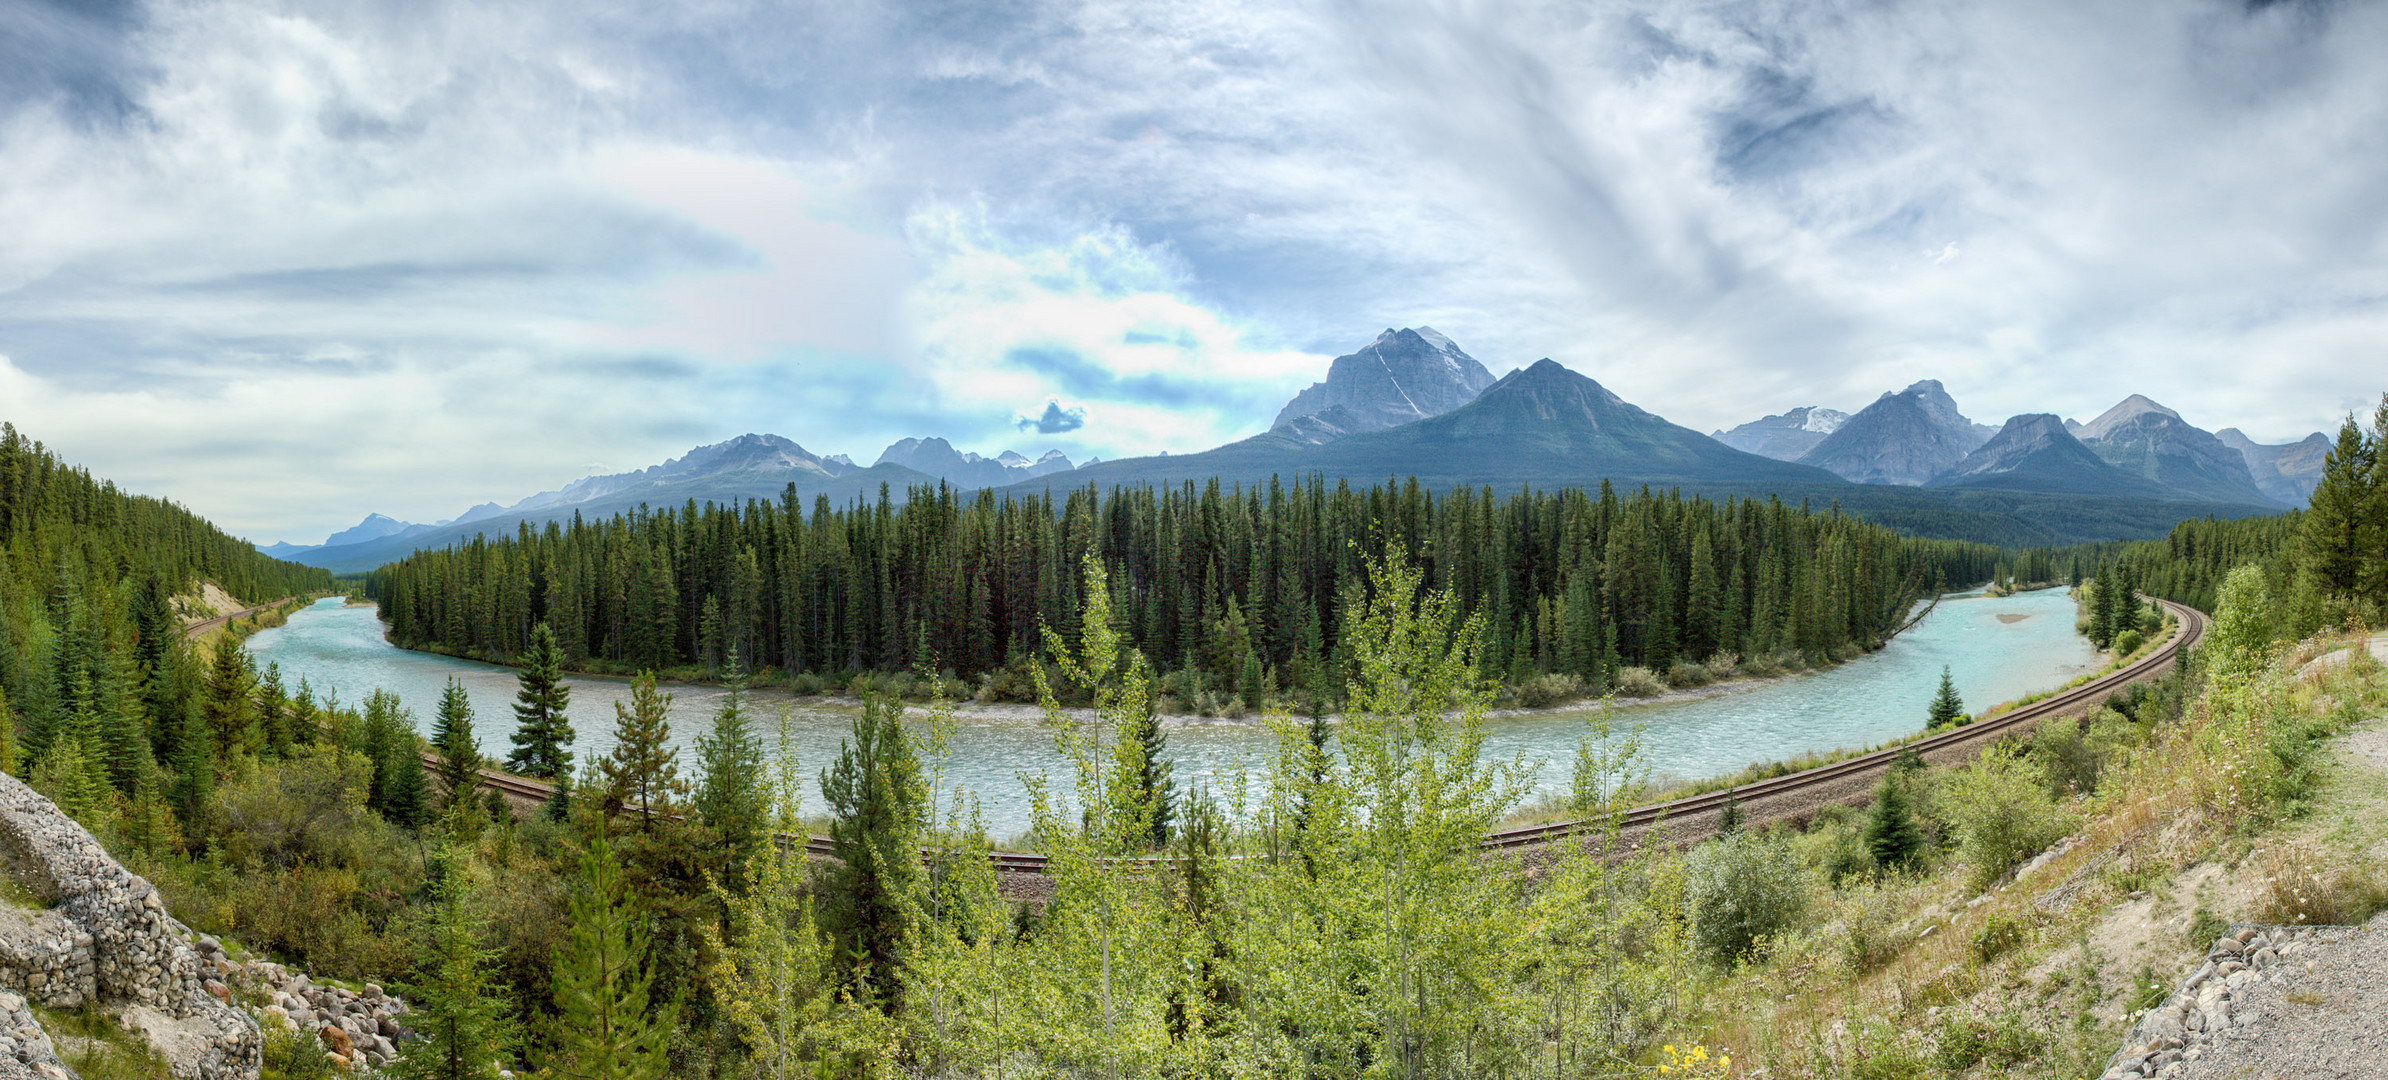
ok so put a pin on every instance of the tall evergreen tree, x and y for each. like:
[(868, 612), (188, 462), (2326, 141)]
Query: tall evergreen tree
[(387, 739), (878, 809), (542, 731), (1947, 707), (230, 707), (1145, 750), (608, 1026), (458, 1009), (731, 798), (644, 769), (458, 774)]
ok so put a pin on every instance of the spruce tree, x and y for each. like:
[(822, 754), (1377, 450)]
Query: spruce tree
[(607, 1025), (457, 1008), (1155, 798), (542, 731), (878, 807), (1947, 707), (731, 798), (643, 769), (1892, 835), (387, 739), (230, 706), (2340, 531), (458, 774), (1728, 817)]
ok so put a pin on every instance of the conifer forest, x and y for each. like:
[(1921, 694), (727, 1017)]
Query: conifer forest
[(1240, 590)]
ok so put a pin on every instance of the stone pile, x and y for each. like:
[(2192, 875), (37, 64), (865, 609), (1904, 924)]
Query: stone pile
[(24, 1044), (2178, 1031), (355, 1027), (96, 933)]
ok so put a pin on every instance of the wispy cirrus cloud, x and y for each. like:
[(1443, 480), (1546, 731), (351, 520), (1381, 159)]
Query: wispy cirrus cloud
[(293, 263)]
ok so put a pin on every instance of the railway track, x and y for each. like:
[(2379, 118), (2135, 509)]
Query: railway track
[(1688, 817)]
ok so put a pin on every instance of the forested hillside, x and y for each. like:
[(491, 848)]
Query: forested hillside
[(92, 669), (1243, 587)]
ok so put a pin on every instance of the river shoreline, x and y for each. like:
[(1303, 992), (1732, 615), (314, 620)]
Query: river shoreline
[(1029, 712)]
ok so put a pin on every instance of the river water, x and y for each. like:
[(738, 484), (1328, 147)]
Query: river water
[(1996, 648)]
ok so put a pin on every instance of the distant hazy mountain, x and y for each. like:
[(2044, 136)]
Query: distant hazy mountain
[(2287, 472), (762, 455), (1403, 375), (1904, 438), (748, 467), (2034, 452), (2148, 440), (938, 458), (1785, 436)]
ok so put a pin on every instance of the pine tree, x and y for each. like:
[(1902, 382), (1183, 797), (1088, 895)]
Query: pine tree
[(730, 796), (2340, 529), (1947, 707), (387, 739), (1728, 817), (69, 776), (878, 808), (458, 774), (607, 1026), (457, 1009), (1145, 750), (643, 769), (230, 706), (1892, 835), (542, 731)]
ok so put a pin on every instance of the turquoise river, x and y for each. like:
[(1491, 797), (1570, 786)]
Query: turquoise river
[(1997, 649)]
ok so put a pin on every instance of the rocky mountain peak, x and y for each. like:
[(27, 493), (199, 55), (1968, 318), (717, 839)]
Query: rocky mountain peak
[(1403, 376), (1905, 437), (2148, 440), (2127, 411)]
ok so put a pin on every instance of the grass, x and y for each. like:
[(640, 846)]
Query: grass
[(1926, 975), (97, 1047)]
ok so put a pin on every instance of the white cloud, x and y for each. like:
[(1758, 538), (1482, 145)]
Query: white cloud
[(1098, 318), (300, 263)]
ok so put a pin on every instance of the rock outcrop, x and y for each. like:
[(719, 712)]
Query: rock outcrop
[(102, 936)]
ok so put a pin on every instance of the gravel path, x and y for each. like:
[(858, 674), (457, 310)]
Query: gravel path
[(2316, 1017)]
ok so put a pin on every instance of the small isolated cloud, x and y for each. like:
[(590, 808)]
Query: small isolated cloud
[(1055, 419)]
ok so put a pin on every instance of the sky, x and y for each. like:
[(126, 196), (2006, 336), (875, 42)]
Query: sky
[(289, 264)]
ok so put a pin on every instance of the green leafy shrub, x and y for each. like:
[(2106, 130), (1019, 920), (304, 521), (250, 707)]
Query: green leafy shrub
[(1639, 682), (1548, 690), (1965, 1041), (1998, 935), (1687, 674), (1742, 889), (2128, 642), (2002, 813)]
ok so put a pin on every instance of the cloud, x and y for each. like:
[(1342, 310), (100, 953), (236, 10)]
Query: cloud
[(483, 245), (1054, 420)]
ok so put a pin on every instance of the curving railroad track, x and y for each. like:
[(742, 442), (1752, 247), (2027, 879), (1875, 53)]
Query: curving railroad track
[(1792, 795)]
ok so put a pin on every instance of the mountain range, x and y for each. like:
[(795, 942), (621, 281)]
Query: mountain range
[(1412, 403), (1917, 437)]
